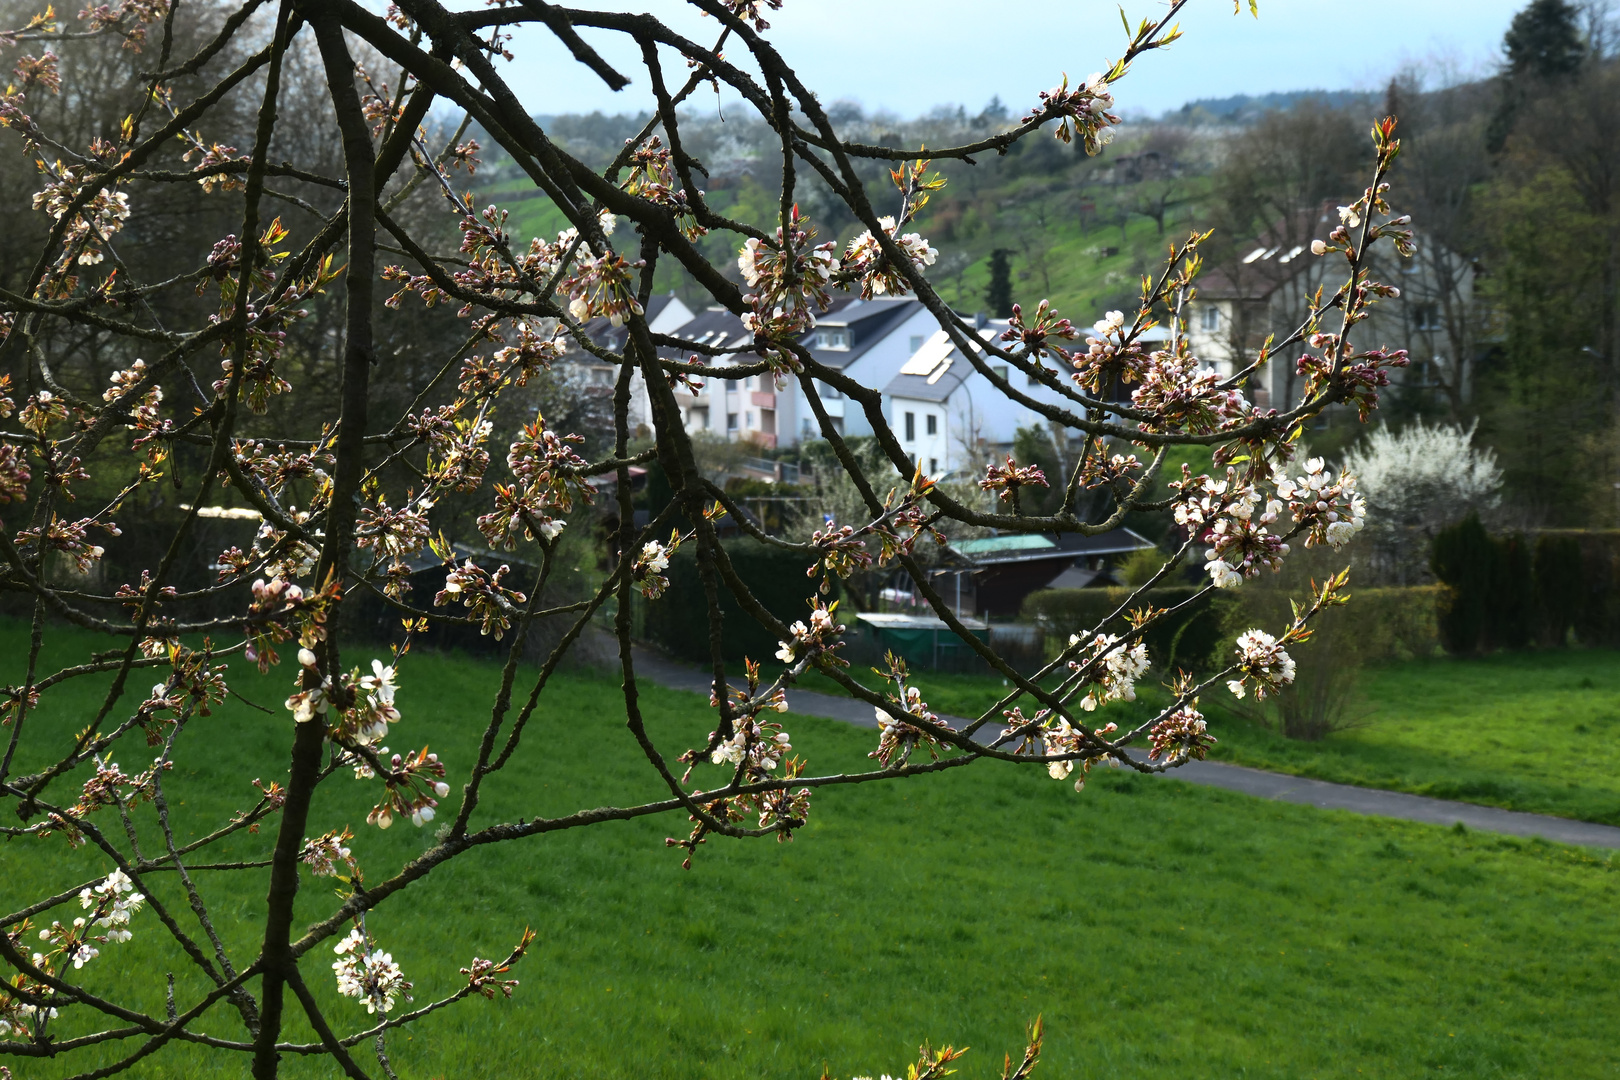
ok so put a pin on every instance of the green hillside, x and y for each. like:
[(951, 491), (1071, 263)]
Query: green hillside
[(1073, 231)]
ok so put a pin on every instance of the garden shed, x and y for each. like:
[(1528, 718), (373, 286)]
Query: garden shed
[(923, 641)]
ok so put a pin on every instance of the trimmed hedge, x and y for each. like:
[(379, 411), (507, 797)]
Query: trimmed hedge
[(1585, 592), (1385, 624), (678, 621), (1511, 591), (1189, 639), (1378, 625)]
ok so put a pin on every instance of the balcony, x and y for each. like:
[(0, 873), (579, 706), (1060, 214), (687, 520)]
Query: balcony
[(764, 399)]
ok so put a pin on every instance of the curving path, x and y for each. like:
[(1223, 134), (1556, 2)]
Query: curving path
[(1256, 782)]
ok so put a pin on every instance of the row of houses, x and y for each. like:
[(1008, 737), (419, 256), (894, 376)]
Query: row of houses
[(948, 415)]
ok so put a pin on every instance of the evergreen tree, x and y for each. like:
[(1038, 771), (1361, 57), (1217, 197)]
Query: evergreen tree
[(998, 294), (1543, 43), (1034, 446), (1544, 40)]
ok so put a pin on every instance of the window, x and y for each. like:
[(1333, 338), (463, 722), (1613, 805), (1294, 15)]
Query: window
[(833, 337), (916, 343), (731, 384), (748, 420), (932, 424), (698, 419), (911, 427), (1001, 372), (1210, 318), (1033, 381), (731, 421), (1426, 317), (601, 376), (933, 465)]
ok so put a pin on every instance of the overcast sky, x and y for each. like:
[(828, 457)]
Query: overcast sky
[(908, 56)]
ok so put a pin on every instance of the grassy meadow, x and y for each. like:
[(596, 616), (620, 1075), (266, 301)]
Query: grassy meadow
[(1161, 929), (1533, 731)]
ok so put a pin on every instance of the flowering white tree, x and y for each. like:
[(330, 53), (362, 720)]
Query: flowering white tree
[(1417, 481), (351, 498)]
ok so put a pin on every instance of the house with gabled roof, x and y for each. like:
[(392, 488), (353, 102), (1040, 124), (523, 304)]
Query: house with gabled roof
[(1266, 287), (947, 413), (865, 339), (665, 314)]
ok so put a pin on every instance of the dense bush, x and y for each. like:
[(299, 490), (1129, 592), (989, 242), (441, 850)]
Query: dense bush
[(1464, 559), (1594, 599), (679, 622), (1508, 592), (1559, 586)]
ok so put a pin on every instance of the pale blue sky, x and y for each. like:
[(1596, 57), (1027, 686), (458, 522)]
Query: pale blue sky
[(910, 55)]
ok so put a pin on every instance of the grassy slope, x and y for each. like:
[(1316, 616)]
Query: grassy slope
[(1526, 731), (1069, 268), (1243, 938)]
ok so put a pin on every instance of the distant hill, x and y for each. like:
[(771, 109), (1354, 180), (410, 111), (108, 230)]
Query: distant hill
[(1244, 108), (1079, 231)]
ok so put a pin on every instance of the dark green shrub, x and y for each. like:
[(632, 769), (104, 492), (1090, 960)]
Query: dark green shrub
[(678, 621), (1561, 583), (1599, 618), (1464, 559), (1510, 605)]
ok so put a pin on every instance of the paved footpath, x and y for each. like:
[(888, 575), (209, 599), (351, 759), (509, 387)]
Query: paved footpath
[(1256, 782)]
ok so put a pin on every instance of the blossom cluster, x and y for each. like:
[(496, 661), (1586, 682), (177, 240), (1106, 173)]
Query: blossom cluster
[(549, 480), (483, 594), (1006, 480), (1228, 516), (867, 262), (1112, 668), (328, 854), (818, 636), (1034, 335), (1182, 733), (1081, 112), (1263, 661), (1057, 737), (396, 533), (1113, 358), (93, 225), (898, 737), (368, 974), (787, 280), (110, 905), (414, 785), (651, 562), (71, 538), (1331, 510)]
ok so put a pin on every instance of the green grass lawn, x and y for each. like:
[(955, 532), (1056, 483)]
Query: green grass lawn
[(1534, 731), (1162, 929)]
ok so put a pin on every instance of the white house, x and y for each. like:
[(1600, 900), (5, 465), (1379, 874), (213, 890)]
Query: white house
[(868, 340), (665, 315), (946, 412)]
